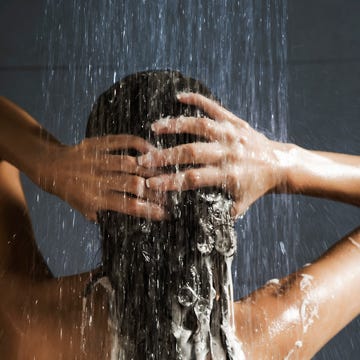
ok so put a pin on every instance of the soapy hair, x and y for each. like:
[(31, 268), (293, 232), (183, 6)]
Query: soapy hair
[(170, 280)]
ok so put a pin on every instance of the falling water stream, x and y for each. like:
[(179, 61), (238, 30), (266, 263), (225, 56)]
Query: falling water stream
[(237, 48)]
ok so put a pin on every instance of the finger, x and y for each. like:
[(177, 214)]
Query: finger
[(189, 180), (204, 127), (131, 206), (91, 216), (211, 107), (134, 185), (125, 163), (193, 153), (119, 142)]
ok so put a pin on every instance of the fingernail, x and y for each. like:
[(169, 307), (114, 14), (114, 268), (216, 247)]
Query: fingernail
[(143, 160), (162, 215), (182, 94), (139, 160), (162, 122), (153, 183)]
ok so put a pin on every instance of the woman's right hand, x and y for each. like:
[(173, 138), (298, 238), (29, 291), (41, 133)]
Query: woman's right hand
[(91, 178), (236, 157), (244, 162)]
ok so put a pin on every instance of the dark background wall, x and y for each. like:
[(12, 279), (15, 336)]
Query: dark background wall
[(324, 113)]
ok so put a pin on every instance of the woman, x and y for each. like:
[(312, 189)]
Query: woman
[(43, 317)]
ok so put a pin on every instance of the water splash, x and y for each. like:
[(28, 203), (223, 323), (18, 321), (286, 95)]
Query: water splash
[(238, 48)]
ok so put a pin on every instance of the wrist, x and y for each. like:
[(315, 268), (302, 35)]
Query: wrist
[(38, 163), (323, 174), (285, 160), (45, 168)]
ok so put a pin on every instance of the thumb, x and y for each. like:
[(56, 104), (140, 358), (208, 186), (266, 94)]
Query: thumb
[(239, 209)]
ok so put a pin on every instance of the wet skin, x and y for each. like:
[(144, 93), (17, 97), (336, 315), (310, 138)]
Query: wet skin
[(41, 316)]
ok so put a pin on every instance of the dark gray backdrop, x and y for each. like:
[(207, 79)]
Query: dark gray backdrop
[(324, 113)]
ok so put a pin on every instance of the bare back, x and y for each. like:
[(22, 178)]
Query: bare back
[(42, 317)]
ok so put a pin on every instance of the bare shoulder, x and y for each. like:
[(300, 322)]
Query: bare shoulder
[(18, 250), (41, 318)]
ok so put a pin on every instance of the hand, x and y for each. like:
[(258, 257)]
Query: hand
[(236, 158), (90, 178)]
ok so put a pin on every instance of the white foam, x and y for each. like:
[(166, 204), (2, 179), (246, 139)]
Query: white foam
[(309, 308), (306, 282), (309, 311), (273, 281)]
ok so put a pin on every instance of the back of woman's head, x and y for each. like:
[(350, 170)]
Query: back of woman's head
[(165, 275)]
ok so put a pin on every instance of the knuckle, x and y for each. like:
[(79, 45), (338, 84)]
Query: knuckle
[(138, 142), (202, 123), (137, 184), (192, 178), (246, 125), (230, 137), (228, 156), (134, 206), (130, 208), (236, 152), (243, 137), (128, 141), (125, 162), (207, 124), (121, 182), (189, 150)]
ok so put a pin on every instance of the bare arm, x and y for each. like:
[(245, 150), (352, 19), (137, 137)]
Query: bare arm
[(299, 314), (23, 142), (246, 163), (85, 175), (324, 174)]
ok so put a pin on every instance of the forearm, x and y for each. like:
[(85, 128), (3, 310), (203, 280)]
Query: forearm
[(323, 174), (23, 142)]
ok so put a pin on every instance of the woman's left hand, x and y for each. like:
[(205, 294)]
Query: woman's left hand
[(236, 157)]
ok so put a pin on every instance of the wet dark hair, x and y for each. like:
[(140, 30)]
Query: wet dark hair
[(160, 271)]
